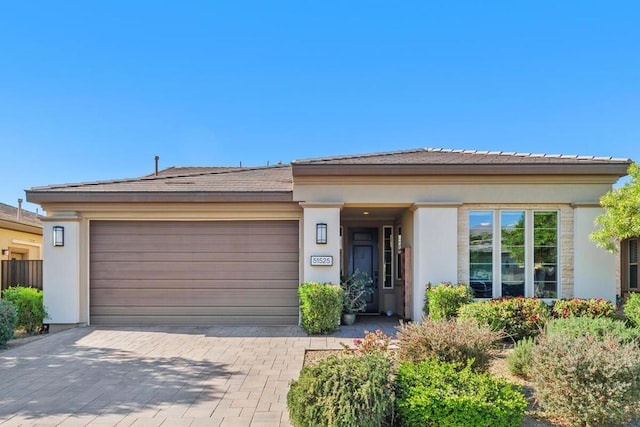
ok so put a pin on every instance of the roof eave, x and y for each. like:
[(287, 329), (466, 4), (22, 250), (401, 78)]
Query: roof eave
[(617, 169), (50, 196)]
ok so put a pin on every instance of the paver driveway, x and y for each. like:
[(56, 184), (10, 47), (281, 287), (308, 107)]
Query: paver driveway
[(223, 376)]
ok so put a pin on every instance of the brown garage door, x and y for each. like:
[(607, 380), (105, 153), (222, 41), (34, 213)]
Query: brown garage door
[(194, 273)]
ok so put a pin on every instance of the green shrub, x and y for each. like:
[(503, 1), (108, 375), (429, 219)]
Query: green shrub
[(433, 393), (519, 360), (587, 381), (454, 341), (444, 300), (594, 307), (517, 317), (29, 305), (343, 391), (598, 328), (8, 320), (632, 310), (356, 289), (320, 307)]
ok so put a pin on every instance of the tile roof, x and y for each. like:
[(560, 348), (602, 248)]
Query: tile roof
[(440, 156), (201, 179), (10, 213)]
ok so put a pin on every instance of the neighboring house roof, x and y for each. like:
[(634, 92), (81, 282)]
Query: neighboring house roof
[(25, 221), (275, 183), (438, 161)]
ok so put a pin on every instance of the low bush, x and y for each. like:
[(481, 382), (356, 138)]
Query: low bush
[(519, 360), (444, 300), (454, 341), (342, 391), (594, 307), (517, 317), (587, 381), (632, 310), (320, 307), (29, 305), (8, 320), (598, 328), (433, 393)]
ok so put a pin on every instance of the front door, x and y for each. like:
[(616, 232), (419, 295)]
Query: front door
[(363, 250)]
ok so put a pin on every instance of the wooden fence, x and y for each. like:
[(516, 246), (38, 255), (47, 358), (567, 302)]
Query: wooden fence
[(24, 273)]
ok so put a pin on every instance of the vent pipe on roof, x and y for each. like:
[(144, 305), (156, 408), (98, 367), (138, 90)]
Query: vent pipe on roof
[(157, 158), (19, 208)]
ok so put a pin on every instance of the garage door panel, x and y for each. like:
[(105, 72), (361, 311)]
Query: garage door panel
[(229, 244), (186, 228), (167, 256), (196, 297), (209, 272), (194, 270), (192, 284), (190, 320), (194, 311)]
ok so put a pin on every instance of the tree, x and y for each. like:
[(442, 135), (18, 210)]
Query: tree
[(621, 217)]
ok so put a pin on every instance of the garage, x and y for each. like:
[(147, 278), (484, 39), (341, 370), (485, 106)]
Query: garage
[(194, 272)]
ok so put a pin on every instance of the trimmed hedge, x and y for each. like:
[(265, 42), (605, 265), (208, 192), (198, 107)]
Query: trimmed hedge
[(517, 317), (8, 320), (320, 307), (594, 307), (433, 393), (343, 391), (444, 300), (29, 305)]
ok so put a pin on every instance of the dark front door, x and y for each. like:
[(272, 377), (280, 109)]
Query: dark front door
[(363, 250)]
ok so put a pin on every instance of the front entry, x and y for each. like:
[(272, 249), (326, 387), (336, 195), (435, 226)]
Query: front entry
[(363, 253)]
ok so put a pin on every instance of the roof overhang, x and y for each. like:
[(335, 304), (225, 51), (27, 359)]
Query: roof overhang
[(52, 196), (310, 169), (16, 226)]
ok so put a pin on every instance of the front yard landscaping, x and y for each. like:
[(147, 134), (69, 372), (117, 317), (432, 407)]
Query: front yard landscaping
[(506, 362)]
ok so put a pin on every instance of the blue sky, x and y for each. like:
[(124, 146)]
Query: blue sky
[(94, 90)]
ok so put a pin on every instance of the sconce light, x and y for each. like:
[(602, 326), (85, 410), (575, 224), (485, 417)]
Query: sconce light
[(321, 234), (58, 235), (5, 252)]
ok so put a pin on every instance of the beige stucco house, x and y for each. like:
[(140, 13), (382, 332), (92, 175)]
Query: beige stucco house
[(205, 245), (20, 233)]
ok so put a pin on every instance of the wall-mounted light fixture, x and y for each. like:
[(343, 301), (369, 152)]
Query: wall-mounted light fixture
[(5, 252), (58, 235), (321, 233)]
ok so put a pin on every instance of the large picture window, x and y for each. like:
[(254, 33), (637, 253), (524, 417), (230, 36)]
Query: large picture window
[(513, 253)]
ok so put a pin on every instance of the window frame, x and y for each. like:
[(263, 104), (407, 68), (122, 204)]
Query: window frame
[(387, 249), (529, 242)]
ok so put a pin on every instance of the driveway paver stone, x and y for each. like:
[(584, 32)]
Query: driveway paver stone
[(160, 376)]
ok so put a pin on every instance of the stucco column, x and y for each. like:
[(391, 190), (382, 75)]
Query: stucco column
[(321, 213), (435, 248), (594, 268), (61, 272)]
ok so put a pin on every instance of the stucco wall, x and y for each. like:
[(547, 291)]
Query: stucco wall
[(28, 243), (595, 268)]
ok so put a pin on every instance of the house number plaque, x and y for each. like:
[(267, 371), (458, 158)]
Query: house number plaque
[(321, 260)]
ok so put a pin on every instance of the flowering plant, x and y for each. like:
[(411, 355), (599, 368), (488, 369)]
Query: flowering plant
[(373, 342), (594, 307)]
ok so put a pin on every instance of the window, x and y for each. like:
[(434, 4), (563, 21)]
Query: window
[(481, 253), (633, 264), (513, 253), (387, 253), (399, 254)]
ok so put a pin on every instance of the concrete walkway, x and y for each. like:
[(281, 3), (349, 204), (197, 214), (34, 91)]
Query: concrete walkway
[(170, 376)]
